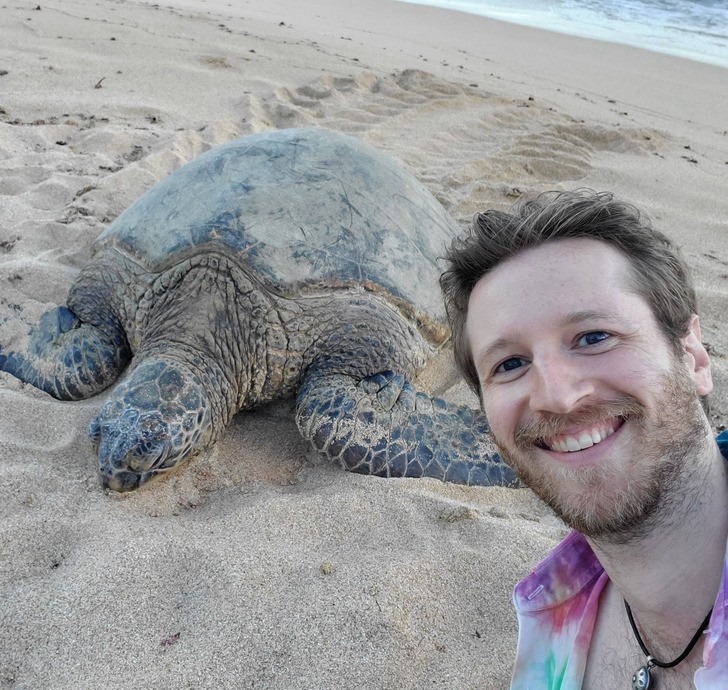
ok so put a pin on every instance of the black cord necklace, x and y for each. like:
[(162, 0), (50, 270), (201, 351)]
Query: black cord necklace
[(642, 679)]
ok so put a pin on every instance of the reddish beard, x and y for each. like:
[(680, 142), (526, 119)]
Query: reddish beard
[(616, 502)]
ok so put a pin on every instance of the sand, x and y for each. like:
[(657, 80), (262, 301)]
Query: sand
[(261, 565)]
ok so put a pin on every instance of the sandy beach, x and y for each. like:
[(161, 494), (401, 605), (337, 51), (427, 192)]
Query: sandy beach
[(261, 565)]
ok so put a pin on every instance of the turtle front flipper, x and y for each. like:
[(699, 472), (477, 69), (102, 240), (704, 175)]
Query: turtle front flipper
[(382, 426), (68, 358)]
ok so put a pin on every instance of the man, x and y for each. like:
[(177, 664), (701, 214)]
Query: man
[(575, 322)]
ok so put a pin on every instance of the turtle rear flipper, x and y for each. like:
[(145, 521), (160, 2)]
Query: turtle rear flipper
[(382, 426), (67, 358)]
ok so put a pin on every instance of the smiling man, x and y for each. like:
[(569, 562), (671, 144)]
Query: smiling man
[(575, 322)]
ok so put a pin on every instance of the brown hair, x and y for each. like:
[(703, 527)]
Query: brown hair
[(659, 275)]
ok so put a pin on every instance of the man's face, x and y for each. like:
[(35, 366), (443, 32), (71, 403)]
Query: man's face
[(585, 397)]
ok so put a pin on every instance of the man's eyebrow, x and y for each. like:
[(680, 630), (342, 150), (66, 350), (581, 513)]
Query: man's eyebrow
[(568, 320), (590, 314), (486, 353)]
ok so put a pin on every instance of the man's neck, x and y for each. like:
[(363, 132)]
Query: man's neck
[(671, 575)]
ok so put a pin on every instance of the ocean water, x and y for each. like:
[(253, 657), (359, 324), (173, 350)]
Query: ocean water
[(694, 29)]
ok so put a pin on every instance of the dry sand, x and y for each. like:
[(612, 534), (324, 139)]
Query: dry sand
[(260, 565)]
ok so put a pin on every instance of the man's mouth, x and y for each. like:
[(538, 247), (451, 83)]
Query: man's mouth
[(583, 438)]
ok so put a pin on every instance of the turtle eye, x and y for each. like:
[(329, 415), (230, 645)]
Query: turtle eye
[(147, 456)]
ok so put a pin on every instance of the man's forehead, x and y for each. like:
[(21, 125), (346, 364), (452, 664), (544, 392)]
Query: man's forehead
[(562, 281), (571, 256), (559, 264)]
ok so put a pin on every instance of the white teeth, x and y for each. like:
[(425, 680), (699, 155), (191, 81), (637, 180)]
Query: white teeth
[(572, 444), (585, 440)]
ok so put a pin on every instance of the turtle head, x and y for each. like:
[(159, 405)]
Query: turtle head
[(155, 419)]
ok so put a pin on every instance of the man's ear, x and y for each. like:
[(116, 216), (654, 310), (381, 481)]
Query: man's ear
[(697, 358)]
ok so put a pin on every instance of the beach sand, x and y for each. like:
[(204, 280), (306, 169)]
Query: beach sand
[(261, 565)]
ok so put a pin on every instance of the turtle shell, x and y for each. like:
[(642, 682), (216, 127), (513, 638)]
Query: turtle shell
[(302, 208)]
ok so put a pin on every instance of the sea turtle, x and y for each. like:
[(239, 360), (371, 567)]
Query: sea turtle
[(287, 262)]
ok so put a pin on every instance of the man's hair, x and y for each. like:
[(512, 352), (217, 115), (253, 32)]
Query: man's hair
[(658, 274)]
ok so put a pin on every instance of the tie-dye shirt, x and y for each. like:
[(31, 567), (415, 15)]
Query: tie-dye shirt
[(557, 608)]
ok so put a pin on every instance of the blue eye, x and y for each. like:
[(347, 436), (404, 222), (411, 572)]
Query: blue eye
[(510, 365), (593, 338)]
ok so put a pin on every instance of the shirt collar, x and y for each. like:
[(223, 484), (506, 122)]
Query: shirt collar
[(565, 572)]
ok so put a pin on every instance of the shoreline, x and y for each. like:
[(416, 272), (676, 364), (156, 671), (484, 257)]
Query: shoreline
[(601, 33), (385, 34)]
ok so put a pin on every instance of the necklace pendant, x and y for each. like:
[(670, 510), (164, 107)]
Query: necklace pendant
[(642, 679)]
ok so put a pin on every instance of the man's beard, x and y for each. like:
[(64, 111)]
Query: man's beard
[(619, 502)]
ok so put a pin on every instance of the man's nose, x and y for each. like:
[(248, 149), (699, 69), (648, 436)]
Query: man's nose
[(558, 386)]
